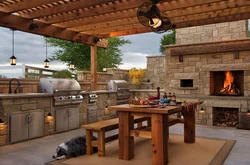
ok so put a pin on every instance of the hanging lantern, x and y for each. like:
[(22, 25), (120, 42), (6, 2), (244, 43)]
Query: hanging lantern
[(13, 58), (46, 61), (71, 66), (104, 69)]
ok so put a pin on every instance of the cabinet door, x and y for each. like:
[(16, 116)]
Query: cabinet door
[(18, 127), (74, 118), (36, 125), (62, 120)]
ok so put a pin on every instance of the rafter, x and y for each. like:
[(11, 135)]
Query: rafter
[(201, 22), (25, 4), (80, 4), (165, 5), (18, 23)]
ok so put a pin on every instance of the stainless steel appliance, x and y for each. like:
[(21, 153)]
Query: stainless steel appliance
[(66, 100), (122, 89), (26, 125)]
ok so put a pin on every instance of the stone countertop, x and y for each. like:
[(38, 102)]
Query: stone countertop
[(97, 92), (24, 95)]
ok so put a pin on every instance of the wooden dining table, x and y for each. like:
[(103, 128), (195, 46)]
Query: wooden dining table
[(158, 132)]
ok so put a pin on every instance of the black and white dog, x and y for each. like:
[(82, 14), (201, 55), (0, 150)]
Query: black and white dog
[(72, 148)]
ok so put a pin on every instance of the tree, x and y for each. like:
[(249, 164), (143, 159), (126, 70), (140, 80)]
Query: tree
[(167, 39), (79, 54)]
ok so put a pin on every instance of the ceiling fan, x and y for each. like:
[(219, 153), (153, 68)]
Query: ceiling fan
[(148, 14)]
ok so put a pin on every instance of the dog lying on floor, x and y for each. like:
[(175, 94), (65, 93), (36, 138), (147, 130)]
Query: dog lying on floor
[(72, 148)]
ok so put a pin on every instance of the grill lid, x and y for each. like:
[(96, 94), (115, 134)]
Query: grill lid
[(118, 85), (59, 86)]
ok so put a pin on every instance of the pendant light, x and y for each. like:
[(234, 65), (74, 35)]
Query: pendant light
[(13, 58), (71, 66), (46, 61)]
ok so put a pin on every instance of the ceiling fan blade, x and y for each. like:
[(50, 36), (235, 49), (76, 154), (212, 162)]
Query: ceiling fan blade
[(144, 14)]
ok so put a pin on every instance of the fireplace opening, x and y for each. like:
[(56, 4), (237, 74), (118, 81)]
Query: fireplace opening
[(227, 83), (225, 117), (187, 83)]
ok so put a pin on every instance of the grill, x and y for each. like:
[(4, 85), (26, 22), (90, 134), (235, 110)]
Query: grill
[(67, 98), (122, 89), (65, 91)]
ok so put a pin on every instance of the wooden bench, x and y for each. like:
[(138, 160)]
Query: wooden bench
[(107, 125), (100, 128)]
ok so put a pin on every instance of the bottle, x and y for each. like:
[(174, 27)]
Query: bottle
[(173, 98), (165, 95), (158, 93), (169, 96)]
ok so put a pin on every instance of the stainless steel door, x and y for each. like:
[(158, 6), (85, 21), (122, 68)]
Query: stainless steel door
[(36, 125), (62, 120), (74, 118), (18, 127)]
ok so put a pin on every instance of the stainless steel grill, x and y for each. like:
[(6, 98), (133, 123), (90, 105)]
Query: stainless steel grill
[(65, 91), (122, 89)]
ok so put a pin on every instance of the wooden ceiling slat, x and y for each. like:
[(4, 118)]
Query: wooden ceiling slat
[(65, 8), (18, 23), (89, 24), (167, 5), (110, 8), (182, 25), (25, 4)]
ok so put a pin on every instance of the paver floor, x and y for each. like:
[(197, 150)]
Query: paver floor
[(40, 151)]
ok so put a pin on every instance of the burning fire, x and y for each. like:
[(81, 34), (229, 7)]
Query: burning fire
[(229, 87)]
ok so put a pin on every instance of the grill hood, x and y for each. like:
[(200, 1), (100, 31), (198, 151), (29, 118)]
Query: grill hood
[(118, 85), (59, 86)]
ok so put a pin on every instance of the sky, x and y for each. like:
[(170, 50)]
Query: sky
[(30, 49)]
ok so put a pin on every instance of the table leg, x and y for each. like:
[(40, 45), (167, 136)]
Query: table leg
[(159, 139), (89, 137), (189, 127), (126, 142)]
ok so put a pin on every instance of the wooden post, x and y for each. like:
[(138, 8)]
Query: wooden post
[(159, 139), (189, 126), (126, 142), (93, 52)]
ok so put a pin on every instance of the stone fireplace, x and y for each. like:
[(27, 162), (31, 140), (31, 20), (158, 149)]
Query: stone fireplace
[(218, 73)]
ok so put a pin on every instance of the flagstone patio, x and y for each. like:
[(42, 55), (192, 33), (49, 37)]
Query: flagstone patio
[(40, 151)]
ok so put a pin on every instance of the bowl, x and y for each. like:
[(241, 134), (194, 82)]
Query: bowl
[(164, 100)]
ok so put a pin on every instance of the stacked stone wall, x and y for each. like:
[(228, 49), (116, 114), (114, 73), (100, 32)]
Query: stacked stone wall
[(211, 33)]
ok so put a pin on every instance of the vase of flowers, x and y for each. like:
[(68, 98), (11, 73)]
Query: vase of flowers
[(136, 75)]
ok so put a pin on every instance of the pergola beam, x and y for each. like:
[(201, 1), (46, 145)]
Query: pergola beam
[(25, 4), (23, 24)]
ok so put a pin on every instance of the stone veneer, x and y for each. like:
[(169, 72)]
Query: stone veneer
[(211, 33), (156, 73), (104, 98)]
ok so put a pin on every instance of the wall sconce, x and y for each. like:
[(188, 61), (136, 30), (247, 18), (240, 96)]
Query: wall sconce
[(104, 69), (1, 122), (106, 110), (49, 116), (202, 110), (96, 39)]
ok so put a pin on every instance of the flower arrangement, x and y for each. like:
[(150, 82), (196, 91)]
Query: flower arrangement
[(136, 75)]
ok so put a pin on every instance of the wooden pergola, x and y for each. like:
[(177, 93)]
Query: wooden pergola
[(88, 21)]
